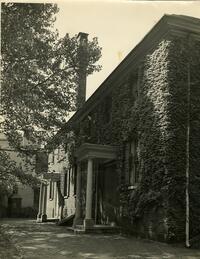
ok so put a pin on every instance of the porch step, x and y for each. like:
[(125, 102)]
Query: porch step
[(51, 220), (100, 229), (79, 231), (80, 227)]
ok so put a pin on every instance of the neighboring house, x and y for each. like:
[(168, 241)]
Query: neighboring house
[(25, 200), (56, 206), (57, 191), (136, 150)]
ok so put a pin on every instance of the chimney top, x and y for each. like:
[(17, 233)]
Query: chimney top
[(82, 35), (81, 91)]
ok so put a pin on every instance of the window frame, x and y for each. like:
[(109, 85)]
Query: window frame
[(133, 177), (134, 81), (51, 190), (107, 109), (74, 173), (58, 153), (65, 192), (67, 182), (53, 157)]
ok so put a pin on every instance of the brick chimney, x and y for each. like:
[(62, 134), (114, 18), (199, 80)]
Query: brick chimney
[(81, 91)]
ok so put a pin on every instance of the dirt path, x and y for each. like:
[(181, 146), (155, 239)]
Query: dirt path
[(48, 241)]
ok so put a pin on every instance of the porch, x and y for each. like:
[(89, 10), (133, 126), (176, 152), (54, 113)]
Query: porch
[(97, 201)]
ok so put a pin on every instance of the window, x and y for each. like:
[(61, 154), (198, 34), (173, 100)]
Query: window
[(107, 109), (133, 174), (134, 91), (62, 183), (41, 162), (86, 127), (134, 82), (74, 172), (53, 157), (67, 182), (16, 190), (51, 190), (89, 125), (58, 154)]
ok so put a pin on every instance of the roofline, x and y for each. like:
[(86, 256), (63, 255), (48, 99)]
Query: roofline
[(175, 24)]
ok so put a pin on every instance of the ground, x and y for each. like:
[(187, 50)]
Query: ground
[(31, 240)]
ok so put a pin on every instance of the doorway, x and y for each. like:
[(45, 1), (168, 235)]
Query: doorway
[(107, 194)]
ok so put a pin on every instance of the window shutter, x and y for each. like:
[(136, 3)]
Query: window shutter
[(65, 183), (69, 181), (62, 183), (51, 190)]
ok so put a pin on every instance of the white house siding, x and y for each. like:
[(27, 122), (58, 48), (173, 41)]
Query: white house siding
[(52, 207), (58, 164), (69, 207)]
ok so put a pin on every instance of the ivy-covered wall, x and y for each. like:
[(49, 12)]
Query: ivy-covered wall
[(149, 203), (151, 102), (184, 87)]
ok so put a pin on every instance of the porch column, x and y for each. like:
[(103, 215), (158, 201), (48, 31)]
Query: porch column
[(88, 210), (78, 220), (40, 204), (44, 203)]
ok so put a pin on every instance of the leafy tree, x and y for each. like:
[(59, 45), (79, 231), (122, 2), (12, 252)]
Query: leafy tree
[(40, 76), (40, 71), (10, 172)]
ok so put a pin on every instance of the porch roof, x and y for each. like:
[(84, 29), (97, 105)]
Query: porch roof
[(87, 150)]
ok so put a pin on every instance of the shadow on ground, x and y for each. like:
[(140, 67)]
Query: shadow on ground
[(46, 240)]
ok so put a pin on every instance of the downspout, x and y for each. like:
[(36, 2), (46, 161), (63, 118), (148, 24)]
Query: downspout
[(187, 173)]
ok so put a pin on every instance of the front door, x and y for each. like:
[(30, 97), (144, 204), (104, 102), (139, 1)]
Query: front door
[(107, 194)]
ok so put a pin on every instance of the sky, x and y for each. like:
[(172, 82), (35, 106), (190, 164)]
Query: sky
[(119, 26)]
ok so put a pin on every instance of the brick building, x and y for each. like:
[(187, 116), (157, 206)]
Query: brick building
[(135, 154)]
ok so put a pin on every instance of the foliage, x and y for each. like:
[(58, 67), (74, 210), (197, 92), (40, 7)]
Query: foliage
[(10, 172), (40, 76), (40, 71)]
